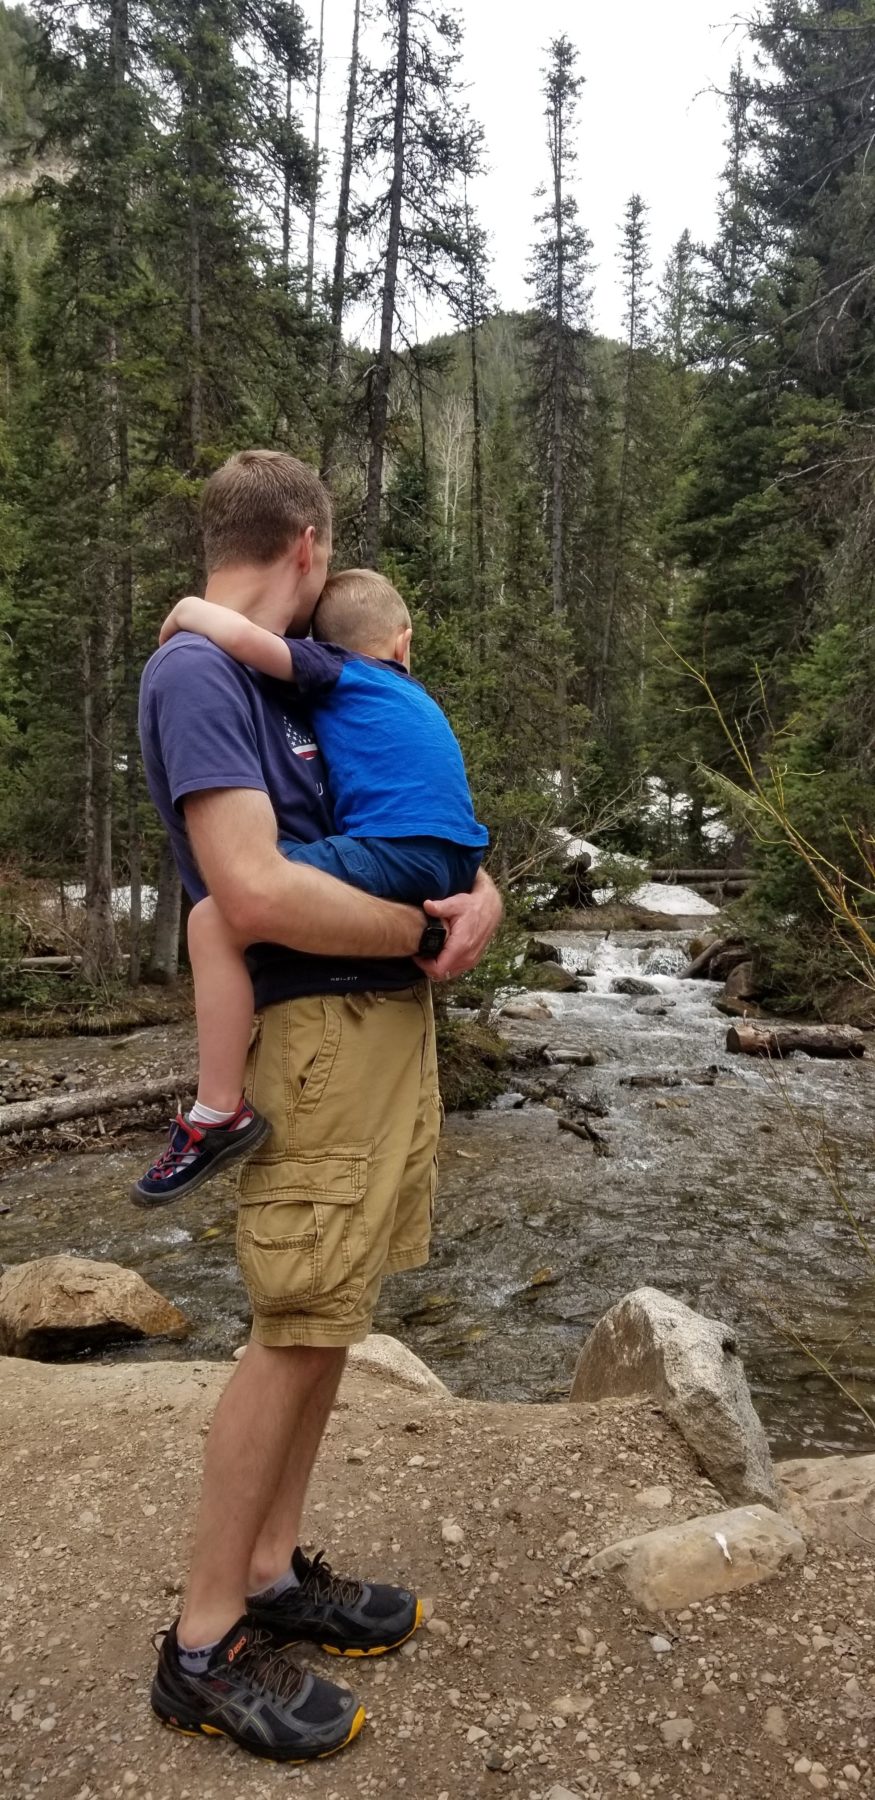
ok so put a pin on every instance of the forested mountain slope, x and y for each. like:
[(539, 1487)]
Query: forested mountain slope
[(564, 513)]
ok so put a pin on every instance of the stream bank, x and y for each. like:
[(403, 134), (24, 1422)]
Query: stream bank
[(533, 1678), (709, 1192)]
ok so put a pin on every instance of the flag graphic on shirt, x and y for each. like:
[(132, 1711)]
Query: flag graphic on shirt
[(301, 743)]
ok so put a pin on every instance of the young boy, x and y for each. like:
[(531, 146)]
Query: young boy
[(405, 828)]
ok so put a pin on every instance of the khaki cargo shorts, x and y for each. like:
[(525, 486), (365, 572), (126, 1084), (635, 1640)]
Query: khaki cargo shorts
[(343, 1190)]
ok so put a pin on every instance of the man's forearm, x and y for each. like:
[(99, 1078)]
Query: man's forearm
[(308, 910), (265, 899)]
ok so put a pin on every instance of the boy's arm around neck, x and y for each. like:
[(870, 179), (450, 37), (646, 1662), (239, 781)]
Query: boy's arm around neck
[(230, 631)]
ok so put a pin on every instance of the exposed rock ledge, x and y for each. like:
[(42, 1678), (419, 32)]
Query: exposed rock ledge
[(532, 1678)]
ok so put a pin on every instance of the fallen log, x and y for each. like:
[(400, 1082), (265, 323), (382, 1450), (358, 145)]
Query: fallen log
[(703, 961), (581, 1128), (58, 965), (29, 1115), (673, 1078), (749, 1039), (718, 877)]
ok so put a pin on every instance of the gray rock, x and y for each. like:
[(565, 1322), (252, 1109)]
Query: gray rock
[(387, 1357), (538, 951), (660, 1646), (677, 1731), (632, 984), (653, 1345), (59, 1304), (666, 1570), (831, 1498)]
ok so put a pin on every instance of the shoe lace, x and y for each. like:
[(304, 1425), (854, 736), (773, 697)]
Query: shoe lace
[(267, 1667), (183, 1138), (341, 1590)]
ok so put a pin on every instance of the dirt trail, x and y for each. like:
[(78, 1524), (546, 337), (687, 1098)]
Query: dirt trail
[(531, 1679)]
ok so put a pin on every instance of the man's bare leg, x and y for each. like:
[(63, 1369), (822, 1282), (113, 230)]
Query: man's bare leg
[(253, 1438), (281, 1530)]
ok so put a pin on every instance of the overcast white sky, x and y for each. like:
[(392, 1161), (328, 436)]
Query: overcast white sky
[(649, 120)]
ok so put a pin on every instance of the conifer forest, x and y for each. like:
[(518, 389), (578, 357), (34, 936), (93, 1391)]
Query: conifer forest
[(581, 525)]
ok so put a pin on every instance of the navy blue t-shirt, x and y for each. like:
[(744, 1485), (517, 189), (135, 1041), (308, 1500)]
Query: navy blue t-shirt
[(208, 722), (394, 764)]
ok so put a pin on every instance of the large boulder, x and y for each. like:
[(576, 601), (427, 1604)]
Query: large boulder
[(832, 1498), (538, 951), (60, 1305), (392, 1361), (548, 978), (633, 984), (740, 983), (654, 1345), (668, 1569)]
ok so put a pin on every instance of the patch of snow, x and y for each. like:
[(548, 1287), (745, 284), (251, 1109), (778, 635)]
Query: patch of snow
[(121, 899), (652, 896), (665, 897)]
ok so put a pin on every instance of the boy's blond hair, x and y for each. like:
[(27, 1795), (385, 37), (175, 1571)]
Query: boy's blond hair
[(257, 504), (360, 610)]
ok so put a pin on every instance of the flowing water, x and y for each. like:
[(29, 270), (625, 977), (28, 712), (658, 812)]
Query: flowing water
[(711, 1192)]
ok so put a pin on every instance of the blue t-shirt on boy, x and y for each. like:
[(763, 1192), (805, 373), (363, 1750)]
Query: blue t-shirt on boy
[(402, 808), (394, 765)]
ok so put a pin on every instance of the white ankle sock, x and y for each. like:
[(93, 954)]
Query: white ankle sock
[(207, 1115)]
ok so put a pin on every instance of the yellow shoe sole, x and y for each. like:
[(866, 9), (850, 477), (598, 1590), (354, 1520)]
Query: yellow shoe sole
[(286, 1762), (378, 1649)]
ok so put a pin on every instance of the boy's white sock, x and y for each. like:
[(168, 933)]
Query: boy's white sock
[(207, 1115)]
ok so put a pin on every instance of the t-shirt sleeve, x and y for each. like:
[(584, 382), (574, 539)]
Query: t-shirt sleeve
[(315, 667), (202, 718)]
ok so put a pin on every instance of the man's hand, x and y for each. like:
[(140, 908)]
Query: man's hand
[(186, 616), (471, 921)]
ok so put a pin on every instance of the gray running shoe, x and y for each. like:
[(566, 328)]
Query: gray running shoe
[(254, 1694), (344, 1616)]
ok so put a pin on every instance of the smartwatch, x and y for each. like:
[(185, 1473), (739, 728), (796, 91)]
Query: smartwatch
[(433, 938)]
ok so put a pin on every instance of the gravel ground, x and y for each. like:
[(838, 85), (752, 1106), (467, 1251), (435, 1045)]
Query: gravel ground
[(531, 1679)]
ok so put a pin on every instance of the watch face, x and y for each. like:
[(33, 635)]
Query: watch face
[(433, 939)]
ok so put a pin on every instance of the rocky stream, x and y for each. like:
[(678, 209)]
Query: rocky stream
[(707, 1180)]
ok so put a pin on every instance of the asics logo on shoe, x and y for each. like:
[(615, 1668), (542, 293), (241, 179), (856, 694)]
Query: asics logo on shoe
[(236, 1648)]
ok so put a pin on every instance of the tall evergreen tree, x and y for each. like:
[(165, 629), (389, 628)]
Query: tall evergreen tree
[(559, 277), (412, 144)]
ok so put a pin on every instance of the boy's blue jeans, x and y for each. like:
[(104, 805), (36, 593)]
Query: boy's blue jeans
[(408, 869)]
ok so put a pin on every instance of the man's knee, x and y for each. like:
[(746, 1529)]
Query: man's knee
[(306, 1364)]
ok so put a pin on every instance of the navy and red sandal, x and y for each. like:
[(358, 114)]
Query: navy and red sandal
[(195, 1153)]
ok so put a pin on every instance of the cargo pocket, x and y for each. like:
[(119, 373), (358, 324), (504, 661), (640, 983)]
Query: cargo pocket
[(301, 1235)]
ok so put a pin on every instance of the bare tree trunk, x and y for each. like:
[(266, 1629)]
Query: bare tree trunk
[(479, 558), (381, 373), (338, 283), (100, 948), (286, 228), (314, 188), (163, 964)]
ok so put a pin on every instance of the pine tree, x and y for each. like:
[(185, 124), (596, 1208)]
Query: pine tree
[(412, 144), (314, 180), (86, 354), (626, 608), (559, 278)]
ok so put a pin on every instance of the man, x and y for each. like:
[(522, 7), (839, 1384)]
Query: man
[(344, 1067)]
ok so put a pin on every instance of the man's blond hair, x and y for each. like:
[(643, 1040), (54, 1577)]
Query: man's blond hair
[(257, 504), (360, 610)]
